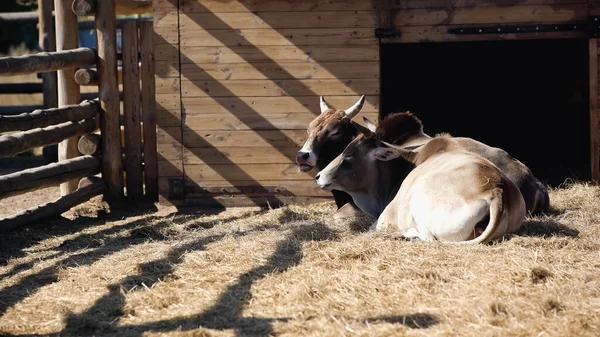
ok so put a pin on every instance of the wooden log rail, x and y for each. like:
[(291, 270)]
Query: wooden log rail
[(89, 76), (46, 62), (13, 144), (44, 117), (54, 208), (48, 175)]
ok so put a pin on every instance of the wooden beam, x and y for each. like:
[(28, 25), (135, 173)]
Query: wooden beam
[(44, 117), (47, 41), (15, 143), (48, 175), (84, 7), (594, 110), (106, 34), (54, 208), (47, 61), (131, 110), (89, 76), (89, 144), (16, 17), (67, 38), (149, 110)]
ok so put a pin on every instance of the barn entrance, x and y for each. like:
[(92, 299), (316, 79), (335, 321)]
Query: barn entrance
[(529, 97)]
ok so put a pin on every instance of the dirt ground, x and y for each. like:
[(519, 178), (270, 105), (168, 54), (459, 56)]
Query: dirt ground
[(143, 270)]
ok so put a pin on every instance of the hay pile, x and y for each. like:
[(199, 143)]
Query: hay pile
[(292, 271)]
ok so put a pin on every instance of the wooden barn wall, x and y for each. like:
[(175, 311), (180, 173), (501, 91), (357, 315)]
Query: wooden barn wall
[(239, 81), (430, 20)]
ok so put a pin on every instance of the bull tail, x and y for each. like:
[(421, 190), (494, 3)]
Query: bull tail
[(495, 218)]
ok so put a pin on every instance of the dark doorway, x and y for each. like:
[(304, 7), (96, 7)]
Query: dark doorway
[(528, 97)]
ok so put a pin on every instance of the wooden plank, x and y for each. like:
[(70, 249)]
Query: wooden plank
[(131, 110), (199, 189), (491, 15), (245, 54), (149, 110), (166, 52), (256, 121), (169, 152), (594, 110), (167, 35), (167, 86), (280, 37), (68, 90), (239, 155), (166, 69), (235, 172), (165, 20), (430, 4), (169, 135), (277, 20), (276, 71), (112, 169), (262, 202), (241, 88), (218, 6), (439, 34), (170, 102), (168, 118), (256, 138), (300, 104)]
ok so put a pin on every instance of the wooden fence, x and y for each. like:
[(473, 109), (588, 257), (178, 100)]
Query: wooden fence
[(125, 143)]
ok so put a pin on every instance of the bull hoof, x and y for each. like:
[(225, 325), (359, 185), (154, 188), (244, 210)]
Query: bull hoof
[(347, 211)]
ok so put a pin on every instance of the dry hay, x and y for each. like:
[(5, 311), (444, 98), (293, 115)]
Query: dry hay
[(293, 272)]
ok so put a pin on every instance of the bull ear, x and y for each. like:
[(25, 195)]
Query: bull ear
[(386, 153), (355, 109), (323, 104), (370, 124), (362, 129)]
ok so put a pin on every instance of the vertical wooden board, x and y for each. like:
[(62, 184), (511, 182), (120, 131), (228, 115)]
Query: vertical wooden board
[(149, 111), (68, 90), (47, 41), (131, 110), (108, 91), (594, 118)]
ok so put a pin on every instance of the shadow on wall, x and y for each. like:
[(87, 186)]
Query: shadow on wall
[(286, 34), (529, 97)]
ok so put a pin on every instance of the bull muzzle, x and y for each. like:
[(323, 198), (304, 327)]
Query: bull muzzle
[(303, 159)]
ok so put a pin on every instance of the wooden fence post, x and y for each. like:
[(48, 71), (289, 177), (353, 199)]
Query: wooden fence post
[(131, 111), (68, 90), (149, 110), (108, 91), (47, 42)]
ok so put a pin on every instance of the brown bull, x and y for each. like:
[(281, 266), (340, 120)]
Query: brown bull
[(328, 135), (441, 192), (406, 130)]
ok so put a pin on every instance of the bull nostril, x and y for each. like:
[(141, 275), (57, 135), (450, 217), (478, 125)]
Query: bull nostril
[(317, 177), (305, 155)]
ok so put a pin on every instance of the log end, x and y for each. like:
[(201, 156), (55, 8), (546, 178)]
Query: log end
[(84, 7)]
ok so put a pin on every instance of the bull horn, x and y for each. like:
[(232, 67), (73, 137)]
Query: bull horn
[(365, 131), (324, 106), (370, 124), (355, 109)]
